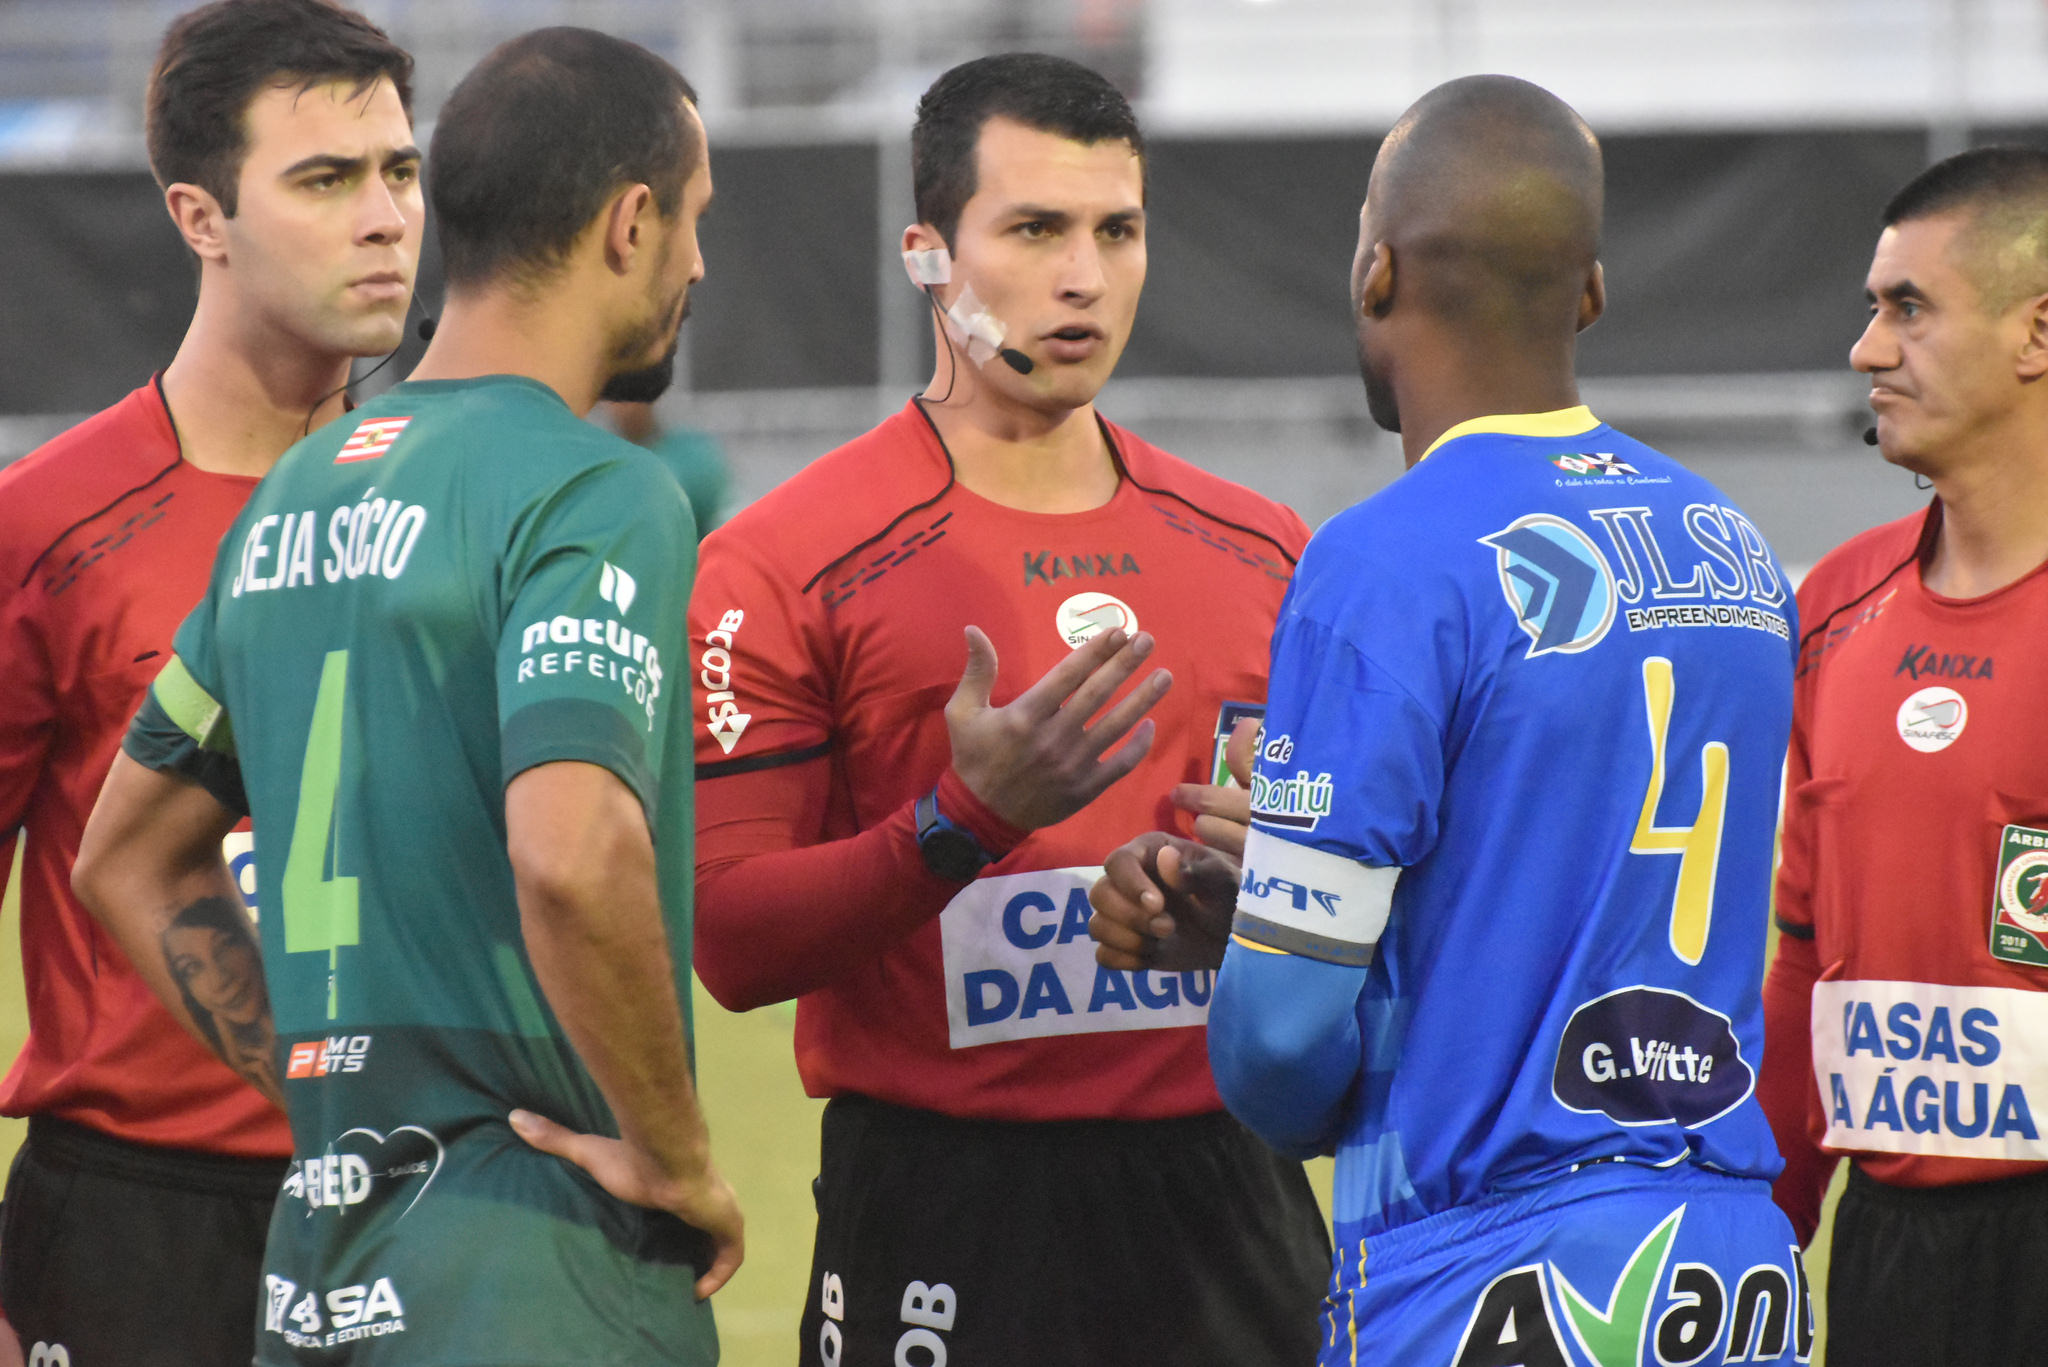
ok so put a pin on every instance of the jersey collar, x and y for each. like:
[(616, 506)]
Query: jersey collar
[(1559, 422)]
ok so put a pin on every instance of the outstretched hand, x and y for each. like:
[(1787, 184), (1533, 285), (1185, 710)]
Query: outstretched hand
[(632, 1174), (1223, 814), (1163, 902), (1037, 759)]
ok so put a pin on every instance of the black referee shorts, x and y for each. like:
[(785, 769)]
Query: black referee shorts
[(1939, 1276), (1062, 1244), (130, 1254)]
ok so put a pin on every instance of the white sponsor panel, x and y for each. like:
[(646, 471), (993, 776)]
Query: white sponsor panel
[(1020, 965), (1959, 1072)]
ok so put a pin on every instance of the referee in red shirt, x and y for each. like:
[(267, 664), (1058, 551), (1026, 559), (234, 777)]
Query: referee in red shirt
[(135, 1213), (1907, 1010), (1024, 1158)]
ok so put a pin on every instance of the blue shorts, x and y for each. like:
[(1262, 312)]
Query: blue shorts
[(1614, 1266)]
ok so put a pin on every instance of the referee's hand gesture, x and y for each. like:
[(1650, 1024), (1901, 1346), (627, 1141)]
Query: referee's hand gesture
[(1038, 759)]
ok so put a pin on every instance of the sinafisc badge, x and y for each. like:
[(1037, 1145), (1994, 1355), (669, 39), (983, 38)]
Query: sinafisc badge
[(2019, 900)]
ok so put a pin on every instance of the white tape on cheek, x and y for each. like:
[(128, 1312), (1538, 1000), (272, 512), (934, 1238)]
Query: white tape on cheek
[(929, 266), (974, 327)]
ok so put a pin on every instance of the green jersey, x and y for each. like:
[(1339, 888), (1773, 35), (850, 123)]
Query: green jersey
[(451, 585)]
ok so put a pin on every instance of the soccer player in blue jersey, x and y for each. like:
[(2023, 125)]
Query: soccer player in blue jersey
[(1498, 933)]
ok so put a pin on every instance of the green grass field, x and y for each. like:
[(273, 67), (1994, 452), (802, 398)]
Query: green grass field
[(764, 1132)]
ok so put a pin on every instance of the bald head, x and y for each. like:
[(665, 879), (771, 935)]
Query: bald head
[(1488, 193)]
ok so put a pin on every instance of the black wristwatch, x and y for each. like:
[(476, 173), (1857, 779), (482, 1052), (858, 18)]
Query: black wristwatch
[(948, 850)]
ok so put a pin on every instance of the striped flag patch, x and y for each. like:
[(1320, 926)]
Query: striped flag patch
[(371, 439)]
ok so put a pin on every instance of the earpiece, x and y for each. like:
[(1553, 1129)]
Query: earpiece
[(975, 328)]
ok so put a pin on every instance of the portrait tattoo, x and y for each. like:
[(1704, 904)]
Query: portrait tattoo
[(214, 959)]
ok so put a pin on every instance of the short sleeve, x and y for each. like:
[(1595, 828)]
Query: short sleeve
[(760, 692), (183, 727), (596, 583), (1349, 781)]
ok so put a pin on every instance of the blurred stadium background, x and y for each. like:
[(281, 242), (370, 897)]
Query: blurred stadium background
[(1750, 145)]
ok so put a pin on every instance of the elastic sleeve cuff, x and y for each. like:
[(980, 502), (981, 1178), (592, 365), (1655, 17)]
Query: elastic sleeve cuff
[(974, 816), (581, 730)]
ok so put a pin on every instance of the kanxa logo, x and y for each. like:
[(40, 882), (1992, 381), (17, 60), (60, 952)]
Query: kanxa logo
[(1043, 567), (1925, 662)]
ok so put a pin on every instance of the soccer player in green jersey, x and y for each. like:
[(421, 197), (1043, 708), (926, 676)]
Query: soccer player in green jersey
[(438, 663)]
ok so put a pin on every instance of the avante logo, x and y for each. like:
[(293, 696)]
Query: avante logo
[(1598, 463), (371, 439), (1768, 1311), (1087, 615), (1556, 580), (1932, 718), (617, 587)]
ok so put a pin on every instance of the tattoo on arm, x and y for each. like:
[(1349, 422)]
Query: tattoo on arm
[(212, 955)]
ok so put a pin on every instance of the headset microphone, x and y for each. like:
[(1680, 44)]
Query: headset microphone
[(1870, 436), (969, 324), (426, 329)]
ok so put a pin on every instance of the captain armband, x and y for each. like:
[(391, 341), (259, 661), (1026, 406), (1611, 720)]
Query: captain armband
[(181, 729), (1310, 902)]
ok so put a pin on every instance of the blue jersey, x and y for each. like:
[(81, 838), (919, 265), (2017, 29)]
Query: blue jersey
[(1527, 715)]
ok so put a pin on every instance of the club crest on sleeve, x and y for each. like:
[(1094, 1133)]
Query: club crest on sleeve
[(371, 439), (1557, 582)]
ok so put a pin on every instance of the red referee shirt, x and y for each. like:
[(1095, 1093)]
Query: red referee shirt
[(1906, 1020), (827, 635), (107, 537)]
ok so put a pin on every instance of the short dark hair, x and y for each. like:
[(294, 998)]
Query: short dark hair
[(215, 59), (539, 135), (2004, 193), (1048, 93)]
